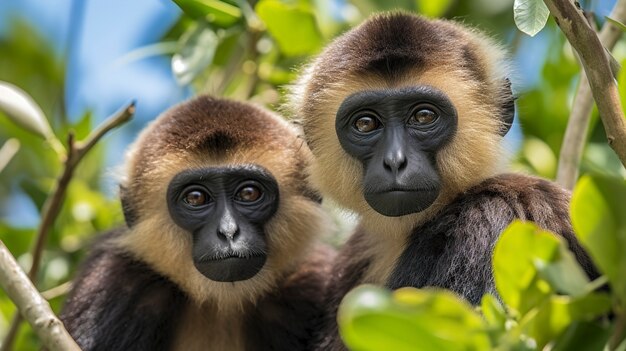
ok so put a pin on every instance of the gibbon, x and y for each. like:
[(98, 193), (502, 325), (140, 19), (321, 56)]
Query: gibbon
[(219, 251), (404, 116)]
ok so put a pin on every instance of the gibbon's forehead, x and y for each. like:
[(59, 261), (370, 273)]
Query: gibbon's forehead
[(389, 44), (212, 127)]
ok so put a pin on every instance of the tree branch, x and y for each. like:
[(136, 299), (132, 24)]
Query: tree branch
[(35, 309), (597, 82), (52, 206)]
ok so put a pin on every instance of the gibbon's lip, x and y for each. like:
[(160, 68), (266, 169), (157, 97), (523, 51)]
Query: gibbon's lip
[(229, 254), (394, 202), (397, 189), (231, 268)]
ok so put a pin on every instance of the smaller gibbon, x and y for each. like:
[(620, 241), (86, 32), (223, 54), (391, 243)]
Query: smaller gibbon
[(219, 250)]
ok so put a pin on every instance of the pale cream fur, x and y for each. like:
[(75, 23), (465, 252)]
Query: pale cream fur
[(207, 326)]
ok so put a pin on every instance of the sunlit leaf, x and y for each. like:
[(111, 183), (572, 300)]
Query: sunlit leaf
[(565, 275), (540, 156), (198, 47), (218, 12), (557, 313), (493, 311), (372, 318), (23, 110), (598, 213), (292, 25), (433, 8), (530, 15), (516, 277)]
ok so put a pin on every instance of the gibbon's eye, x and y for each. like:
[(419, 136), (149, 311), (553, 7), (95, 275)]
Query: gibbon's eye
[(196, 198), (366, 124), (424, 116), (248, 193)]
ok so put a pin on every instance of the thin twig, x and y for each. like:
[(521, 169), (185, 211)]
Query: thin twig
[(578, 124), (118, 118), (32, 306), (618, 332), (52, 206), (57, 291)]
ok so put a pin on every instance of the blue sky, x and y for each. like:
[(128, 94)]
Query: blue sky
[(107, 31)]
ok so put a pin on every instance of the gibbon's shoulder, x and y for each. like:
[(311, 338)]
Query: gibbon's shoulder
[(112, 291)]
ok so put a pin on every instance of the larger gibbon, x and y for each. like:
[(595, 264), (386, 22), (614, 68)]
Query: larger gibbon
[(219, 251), (405, 117)]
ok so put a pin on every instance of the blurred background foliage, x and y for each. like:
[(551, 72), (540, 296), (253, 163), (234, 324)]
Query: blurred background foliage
[(81, 60)]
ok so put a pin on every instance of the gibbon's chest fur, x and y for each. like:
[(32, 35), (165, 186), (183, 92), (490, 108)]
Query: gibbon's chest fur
[(201, 326)]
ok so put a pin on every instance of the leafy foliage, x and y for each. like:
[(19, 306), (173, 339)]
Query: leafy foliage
[(547, 297)]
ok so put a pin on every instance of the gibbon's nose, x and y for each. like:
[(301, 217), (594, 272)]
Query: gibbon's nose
[(394, 159), (228, 226)]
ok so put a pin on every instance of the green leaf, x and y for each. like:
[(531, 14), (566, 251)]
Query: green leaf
[(433, 8), (540, 157), (617, 23), (371, 318), (530, 15), (565, 275), (556, 314), (493, 311), (589, 336), (517, 281), (23, 110), (220, 13), (292, 25), (598, 214), (198, 46)]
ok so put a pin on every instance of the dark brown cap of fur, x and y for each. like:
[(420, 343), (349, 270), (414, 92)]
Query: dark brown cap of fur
[(212, 125), (388, 44)]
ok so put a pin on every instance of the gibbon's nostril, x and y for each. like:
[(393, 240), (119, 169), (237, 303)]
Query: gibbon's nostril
[(228, 226), (395, 162)]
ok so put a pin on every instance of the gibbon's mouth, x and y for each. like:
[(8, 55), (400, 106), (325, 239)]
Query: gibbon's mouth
[(231, 267), (395, 202)]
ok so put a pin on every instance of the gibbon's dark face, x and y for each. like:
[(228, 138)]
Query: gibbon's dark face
[(225, 209), (395, 134)]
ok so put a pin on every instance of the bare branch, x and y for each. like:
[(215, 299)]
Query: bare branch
[(118, 118), (34, 308), (578, 125), (52, 206)]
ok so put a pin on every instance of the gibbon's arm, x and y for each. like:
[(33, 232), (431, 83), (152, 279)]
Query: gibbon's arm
[(120, 304), (454, 249)]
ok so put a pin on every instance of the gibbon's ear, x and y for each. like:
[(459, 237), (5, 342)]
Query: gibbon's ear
[(508, 107), (130, 213)]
